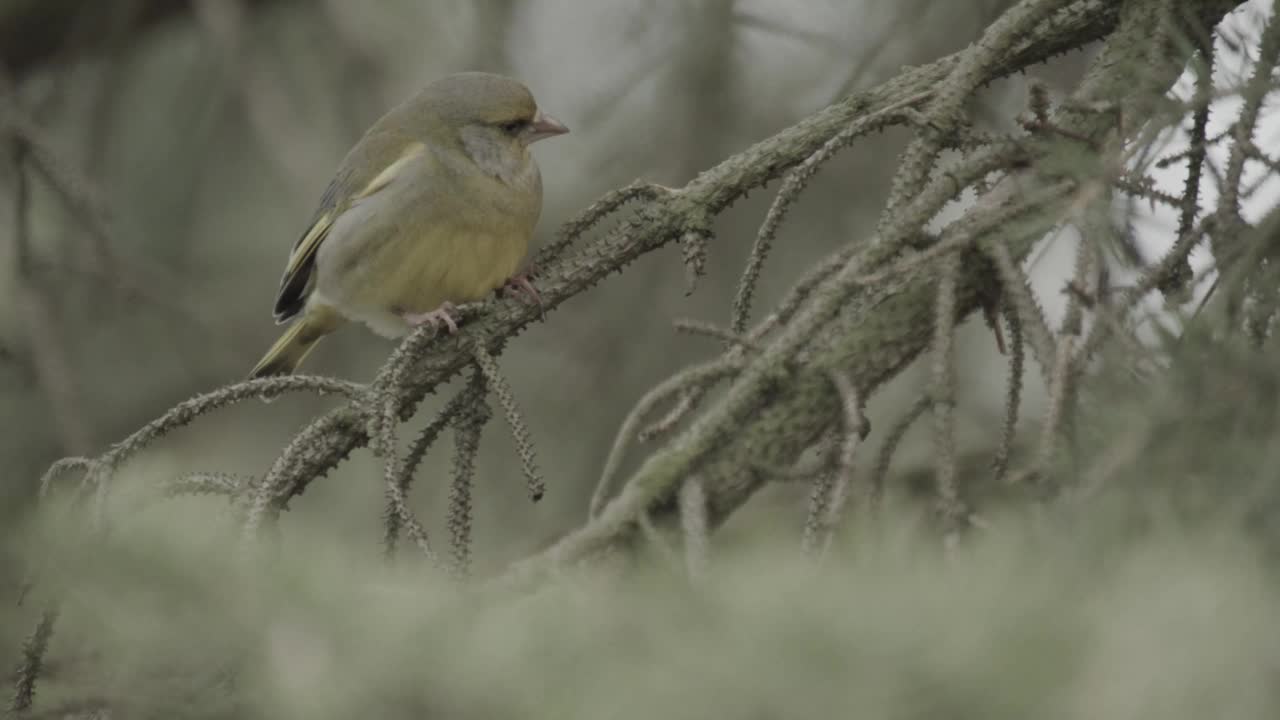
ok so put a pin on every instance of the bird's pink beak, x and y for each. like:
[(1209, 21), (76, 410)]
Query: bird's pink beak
[(545, 126)]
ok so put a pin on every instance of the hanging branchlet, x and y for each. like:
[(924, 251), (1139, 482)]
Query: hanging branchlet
[(792, 186), (892, 439), (1078, 291), (803, 289), (991, 317), (831, 491), (694, 525), (1189, 207), (1038, 105), (693, 253), (1255, 92), (1060, 384), (1050, 428), (467, 427), (689, 399), (1249, 299), (1017, 292), (1150, 280), (945, 113), (384, 414), (29, 668), (943, 390), (686, 381), (398, 489), (812, 537), (944, 187), (1012, 398), (398, 504), (519, 431)]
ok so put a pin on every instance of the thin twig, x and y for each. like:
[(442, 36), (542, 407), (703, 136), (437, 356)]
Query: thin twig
[(1013, 396), (519, 431), (795, 183), (693, 522), (943, 389), (31, 666), (466, 446), (831, 494), (398, 491), (694, 377)]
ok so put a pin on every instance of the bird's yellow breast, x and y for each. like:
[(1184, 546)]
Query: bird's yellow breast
[(444, 265)]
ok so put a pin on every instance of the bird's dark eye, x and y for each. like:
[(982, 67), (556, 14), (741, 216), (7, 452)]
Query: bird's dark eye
[(512, 127)]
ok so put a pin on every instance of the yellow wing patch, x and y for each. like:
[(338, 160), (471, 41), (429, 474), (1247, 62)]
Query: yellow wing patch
[(294, 284), (306, 247), (384, 178)]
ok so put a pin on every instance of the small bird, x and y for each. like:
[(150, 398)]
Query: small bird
[(434, 206)]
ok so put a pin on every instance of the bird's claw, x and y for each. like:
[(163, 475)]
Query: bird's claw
[(439, 317), (521, 286)]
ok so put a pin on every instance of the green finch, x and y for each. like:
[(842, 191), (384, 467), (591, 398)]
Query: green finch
[(435, 205)]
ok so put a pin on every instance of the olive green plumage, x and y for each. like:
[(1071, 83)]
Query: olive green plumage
[(434, 205)]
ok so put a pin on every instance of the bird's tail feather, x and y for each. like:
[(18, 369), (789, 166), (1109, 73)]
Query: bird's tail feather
[(294, 345)]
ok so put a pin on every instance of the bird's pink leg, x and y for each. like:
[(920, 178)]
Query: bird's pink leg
[(439, 316), (521, 285)]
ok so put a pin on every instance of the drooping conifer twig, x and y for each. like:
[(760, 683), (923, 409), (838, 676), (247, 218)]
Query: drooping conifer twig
[(31, 666), (693, 252), (1013, 396), (515, 421), (693, 523), (685, 381), (1189, 207), (1260, 84), (892, 439), (398, 492), (831, 491), (943, 391), (1017, 292), (943, 114), (794, 184), (467, 427)]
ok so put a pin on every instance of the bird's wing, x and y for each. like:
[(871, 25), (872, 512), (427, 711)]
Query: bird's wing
[(358, 178)]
